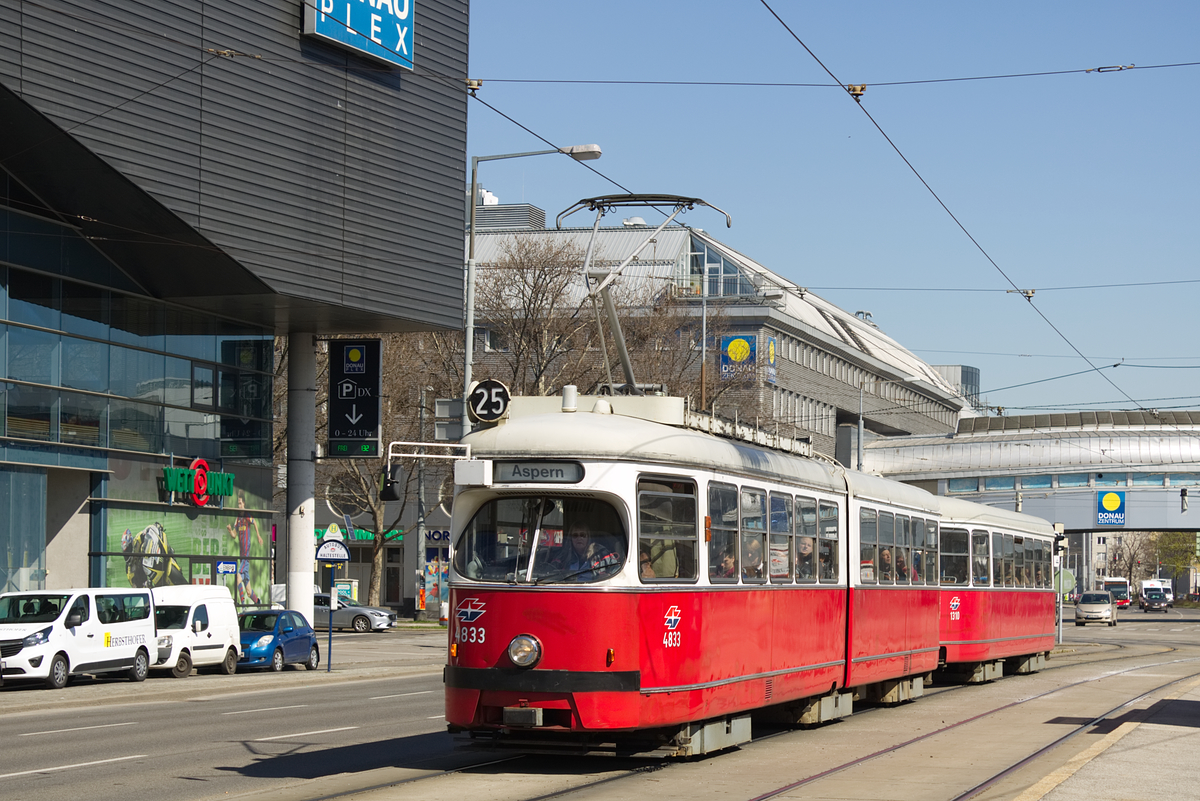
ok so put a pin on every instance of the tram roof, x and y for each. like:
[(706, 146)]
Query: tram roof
[(587, 435), (957, 510)]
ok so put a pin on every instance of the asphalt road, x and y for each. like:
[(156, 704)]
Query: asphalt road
[(212, 736), (374, 724)]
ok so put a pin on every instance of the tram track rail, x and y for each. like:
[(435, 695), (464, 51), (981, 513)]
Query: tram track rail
[(514, 761), (1011, 769)]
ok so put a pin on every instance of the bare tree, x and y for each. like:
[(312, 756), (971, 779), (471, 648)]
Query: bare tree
[(1129, 558), (663, 331), (539, 336)]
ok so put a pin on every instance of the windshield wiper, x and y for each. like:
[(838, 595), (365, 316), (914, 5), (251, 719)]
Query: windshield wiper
[(605, 561)]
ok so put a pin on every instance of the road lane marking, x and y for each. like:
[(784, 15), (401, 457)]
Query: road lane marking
[(301, 734), (80, 728), (68, 767), (401, 695), (435, 717), (268, 709)]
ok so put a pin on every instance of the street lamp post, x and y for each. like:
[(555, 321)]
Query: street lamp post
[(577, 152), (905, 380)]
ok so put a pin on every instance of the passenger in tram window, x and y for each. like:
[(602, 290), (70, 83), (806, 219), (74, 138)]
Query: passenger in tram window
[(886, 572), (804, 559), (752, 566), (918, 558), (828, 560), (727, 566), (903, 573)]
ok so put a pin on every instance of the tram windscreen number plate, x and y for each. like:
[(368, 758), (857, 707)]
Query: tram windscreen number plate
[(488, 401)]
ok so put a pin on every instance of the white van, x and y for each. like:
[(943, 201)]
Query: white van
[(54, 634), (197, 626)]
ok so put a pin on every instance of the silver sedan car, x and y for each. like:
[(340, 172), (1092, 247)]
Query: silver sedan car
[(350, 615)]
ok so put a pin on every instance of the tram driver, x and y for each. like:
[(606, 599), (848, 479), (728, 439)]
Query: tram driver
[(583, 557)]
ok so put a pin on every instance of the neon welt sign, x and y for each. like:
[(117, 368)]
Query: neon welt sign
[(380, 29), (197, 482)]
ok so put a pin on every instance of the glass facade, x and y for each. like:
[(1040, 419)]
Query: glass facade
[(724, 277), (97, 377), (22, 527), (127, 391)]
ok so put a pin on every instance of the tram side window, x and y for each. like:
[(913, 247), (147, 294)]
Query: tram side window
[(954, 556), (1039, 570), (931, 552), (868, 537), (567, 539), (806, 531), (779, 565), (998, 559), (1020, 565), (885, 564), (754, 530), (918, 551), (979, 558), (666, 529), (903, 538), (723, 527), (1010, 579), (827, 543)]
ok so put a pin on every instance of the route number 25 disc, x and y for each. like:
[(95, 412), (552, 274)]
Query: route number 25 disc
[(488, 401)]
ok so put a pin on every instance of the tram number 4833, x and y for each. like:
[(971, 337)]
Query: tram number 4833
[(471, 633), (672, 639)]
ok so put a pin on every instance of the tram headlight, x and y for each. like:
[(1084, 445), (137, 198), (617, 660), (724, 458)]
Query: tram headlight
[(524, 650)]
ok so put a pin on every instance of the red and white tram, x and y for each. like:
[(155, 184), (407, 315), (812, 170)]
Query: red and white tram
[(991, 560), (621, 581)]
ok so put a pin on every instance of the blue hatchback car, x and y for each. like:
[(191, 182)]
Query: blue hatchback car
[(277, 637)]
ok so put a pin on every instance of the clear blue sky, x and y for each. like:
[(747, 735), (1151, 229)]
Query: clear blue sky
[(1072, 183)]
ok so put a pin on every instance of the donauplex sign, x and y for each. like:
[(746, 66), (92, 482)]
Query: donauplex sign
[(198, 482)]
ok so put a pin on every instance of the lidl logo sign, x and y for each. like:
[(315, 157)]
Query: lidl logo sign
[(1110, 508)]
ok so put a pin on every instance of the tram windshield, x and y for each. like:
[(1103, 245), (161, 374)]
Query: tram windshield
[(577, 540)]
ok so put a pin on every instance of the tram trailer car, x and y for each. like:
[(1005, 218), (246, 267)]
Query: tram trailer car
[(998, 611), (623, 583)]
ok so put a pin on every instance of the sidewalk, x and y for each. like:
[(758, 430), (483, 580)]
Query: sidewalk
[(1149, 752)]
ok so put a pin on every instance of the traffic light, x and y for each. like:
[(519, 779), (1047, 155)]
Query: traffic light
[(1060, 543), (389, 484)]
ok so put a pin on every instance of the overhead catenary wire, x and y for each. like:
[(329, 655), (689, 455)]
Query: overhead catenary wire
[(359, 67), (1028, 296), (792, 85)]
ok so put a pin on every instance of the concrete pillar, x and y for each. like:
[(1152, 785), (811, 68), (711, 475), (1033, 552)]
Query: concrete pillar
[(301, 474)]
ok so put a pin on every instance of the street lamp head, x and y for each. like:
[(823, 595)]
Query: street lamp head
[(582, 152)]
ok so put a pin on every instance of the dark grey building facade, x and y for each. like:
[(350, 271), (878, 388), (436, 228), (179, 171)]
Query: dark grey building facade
[(181, 181)]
